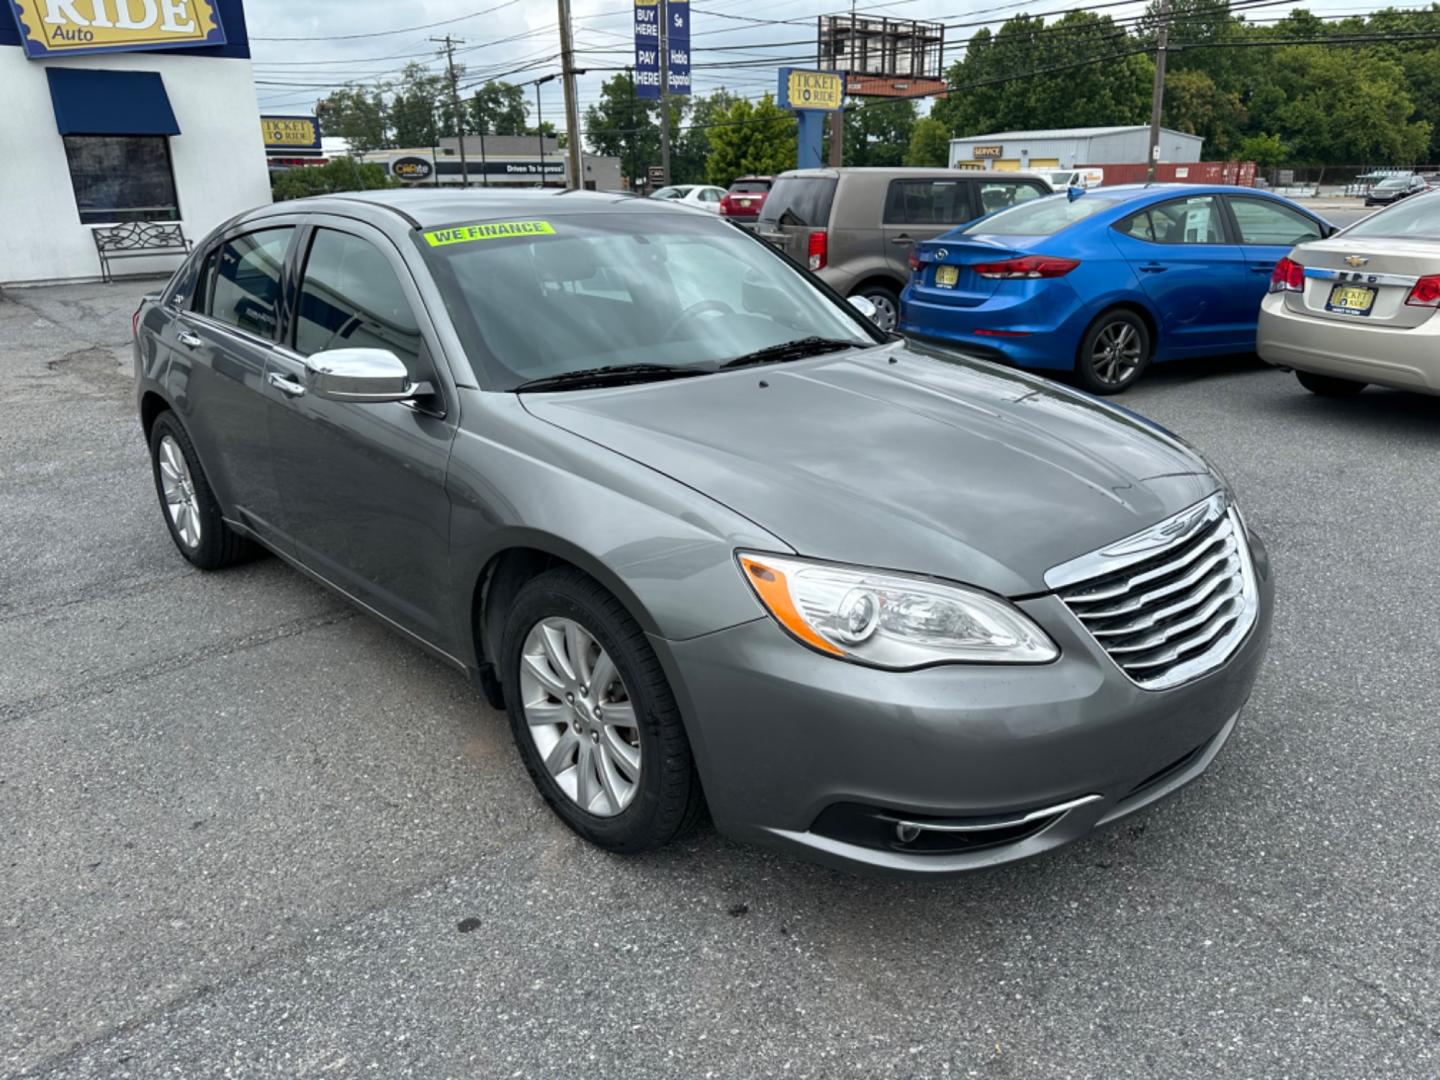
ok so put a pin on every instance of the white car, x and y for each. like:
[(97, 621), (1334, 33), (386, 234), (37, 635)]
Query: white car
[(702, 195)]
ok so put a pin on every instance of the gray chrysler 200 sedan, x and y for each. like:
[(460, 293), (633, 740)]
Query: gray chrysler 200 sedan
[(708, 536)]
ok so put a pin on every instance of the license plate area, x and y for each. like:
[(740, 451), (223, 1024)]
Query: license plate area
[(1351, 299), (946, 276)]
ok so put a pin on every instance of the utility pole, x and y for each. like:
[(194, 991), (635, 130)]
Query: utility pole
[(1157, 95), (572, 107), (450, 44), (630, 123), (665, 90)]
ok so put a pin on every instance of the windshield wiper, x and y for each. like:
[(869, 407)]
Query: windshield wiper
[(791, 350), (615, 375)]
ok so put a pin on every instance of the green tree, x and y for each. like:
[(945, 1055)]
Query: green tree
[(1341, 107), (750, 138), (878, 132), (621, 125), (356, 115), (690, 149), (1194, 104), (1264, 150), (415, 109), (929, 144), (498, 108), (342, 174)]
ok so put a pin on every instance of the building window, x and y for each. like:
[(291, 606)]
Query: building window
[(122, 178)]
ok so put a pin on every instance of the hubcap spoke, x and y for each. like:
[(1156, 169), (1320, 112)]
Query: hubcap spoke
[(588, 739)]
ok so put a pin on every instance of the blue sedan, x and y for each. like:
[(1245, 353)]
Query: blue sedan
[(1103, 282)]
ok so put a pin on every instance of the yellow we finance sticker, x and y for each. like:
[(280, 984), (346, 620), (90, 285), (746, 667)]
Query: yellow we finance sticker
[(494, 230)]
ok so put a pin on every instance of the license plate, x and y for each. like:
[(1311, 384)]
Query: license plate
[(1351, 299), (946, 276), (744, 202)]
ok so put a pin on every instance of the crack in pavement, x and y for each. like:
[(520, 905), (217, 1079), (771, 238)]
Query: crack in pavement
[(131, 676)]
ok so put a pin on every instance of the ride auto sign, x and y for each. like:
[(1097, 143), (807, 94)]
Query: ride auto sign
[(63, 27)]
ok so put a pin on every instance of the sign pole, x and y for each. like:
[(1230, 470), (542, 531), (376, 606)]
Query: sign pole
[(665, 89)]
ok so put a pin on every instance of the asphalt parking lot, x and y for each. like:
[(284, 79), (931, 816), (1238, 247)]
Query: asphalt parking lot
[(247, 832)]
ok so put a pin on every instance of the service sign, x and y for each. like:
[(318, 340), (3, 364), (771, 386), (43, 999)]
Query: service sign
[(987, 151), (290, 132), (63, 27), (822, 91), (411, 169)]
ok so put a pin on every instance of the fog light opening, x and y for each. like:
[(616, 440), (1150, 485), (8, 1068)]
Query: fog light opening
[(906, 833)]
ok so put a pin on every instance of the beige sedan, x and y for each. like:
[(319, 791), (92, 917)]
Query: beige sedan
[(1360, 307)]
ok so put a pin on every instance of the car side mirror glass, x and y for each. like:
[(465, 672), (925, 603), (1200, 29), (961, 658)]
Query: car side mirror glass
[(863, 305), (360, 375)]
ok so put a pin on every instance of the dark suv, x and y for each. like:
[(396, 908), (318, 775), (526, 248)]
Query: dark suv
[(856, 227)]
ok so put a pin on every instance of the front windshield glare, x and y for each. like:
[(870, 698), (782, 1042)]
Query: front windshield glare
[(537, 299)]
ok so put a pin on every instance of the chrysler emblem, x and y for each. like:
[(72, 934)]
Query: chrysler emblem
[(1355, 260)]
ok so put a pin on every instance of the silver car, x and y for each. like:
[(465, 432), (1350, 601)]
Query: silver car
[(707, 535), (1360, 307)]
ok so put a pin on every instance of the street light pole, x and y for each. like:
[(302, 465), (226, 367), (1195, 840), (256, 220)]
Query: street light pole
[(540, 121)]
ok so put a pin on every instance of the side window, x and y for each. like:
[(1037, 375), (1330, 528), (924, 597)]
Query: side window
[(1188, 221), (351, 298), (245, 289), (201, 300), (927, 202), (1138, 226), (1264, 222), (1003, 194)]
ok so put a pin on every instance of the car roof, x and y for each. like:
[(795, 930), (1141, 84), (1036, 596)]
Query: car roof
[(431, 207), (901, 172)]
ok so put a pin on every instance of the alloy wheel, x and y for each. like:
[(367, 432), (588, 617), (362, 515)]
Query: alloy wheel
[(1116, 355), (580, 716), (179, 488)]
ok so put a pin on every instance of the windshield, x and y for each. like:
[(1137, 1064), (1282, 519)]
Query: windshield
[(535, 299), (1415, 218), (799, 200), (1040, 217), (1395, 182)]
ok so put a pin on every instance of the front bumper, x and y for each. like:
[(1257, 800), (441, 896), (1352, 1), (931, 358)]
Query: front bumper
[(1365, 352), (783, 735)]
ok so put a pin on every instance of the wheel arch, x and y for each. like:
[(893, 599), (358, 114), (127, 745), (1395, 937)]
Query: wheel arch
[(522, 556), (152, 404), (885, 281)]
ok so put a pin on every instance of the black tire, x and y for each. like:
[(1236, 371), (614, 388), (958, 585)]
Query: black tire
[(218, 545), (1093, 363), (668, 802), (887, 305), (1329, 385)]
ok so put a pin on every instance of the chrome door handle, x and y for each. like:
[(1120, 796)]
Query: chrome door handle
[(189, 339), (286, 385)]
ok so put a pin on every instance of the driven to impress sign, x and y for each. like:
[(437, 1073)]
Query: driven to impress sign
[(62, 27)]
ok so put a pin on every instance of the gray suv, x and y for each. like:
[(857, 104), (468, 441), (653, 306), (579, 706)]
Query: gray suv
[(855, 228), (708, 536)]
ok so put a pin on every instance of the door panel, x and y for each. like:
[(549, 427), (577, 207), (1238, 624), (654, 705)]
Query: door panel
[(223, 345), (1197, 281), (1267, 230), (362, 486)]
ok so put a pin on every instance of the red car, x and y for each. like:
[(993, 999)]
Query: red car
[(746, 196)]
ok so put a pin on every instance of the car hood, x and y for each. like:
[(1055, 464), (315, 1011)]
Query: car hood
[(902, 457)]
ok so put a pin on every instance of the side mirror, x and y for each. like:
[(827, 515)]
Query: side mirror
[(864, 306), (360, 375)]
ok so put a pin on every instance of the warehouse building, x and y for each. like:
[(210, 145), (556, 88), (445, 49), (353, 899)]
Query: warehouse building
[(1065, 148), (136, 112)]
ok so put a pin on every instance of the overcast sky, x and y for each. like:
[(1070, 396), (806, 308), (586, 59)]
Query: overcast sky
[(517, 39)]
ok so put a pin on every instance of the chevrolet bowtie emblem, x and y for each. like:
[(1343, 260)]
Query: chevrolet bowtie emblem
[(1355, 260)]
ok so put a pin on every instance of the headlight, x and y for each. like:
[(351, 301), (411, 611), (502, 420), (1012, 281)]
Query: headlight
[(892, 620)]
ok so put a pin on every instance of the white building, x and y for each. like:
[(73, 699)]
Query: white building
[(498, 161), (1065, 148), (116, 111)]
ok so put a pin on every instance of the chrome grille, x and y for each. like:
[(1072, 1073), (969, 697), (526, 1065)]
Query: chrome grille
[(1170, 603)]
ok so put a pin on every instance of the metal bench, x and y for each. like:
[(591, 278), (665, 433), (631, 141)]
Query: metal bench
[(137, 239)]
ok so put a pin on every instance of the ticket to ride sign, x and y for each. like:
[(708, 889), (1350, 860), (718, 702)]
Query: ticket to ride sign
[(821, 91), (62, 27), (290, 132)]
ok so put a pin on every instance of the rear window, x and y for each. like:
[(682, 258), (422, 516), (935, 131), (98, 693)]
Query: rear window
[(799, 200), (749, 187), (1417, 218), (1042, 217)]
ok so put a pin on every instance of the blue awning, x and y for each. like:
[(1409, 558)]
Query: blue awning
[(90, 102)]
